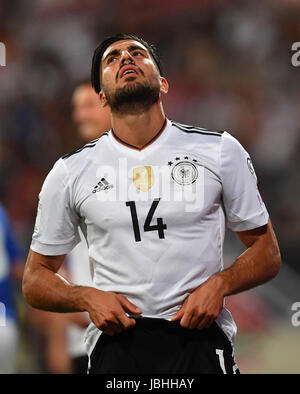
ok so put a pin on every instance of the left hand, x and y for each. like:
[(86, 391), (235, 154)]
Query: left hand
[(201, 308)]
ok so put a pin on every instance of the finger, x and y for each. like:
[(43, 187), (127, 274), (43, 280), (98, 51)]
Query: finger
[(113, 328), (129, 306), (107, 330), (109, 323), (126, 321), (209, 322), (186, 319), (178, 314), (115, 323), (205, 322), (195, 320)]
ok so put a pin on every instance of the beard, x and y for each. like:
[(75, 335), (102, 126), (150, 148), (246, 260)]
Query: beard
[(133, 98)]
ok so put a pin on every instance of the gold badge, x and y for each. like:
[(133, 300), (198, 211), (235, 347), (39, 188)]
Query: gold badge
[(143, 178)]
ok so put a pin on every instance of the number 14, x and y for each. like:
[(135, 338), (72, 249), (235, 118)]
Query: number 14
[(160, 226)]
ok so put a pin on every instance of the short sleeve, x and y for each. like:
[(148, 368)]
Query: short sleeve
[(56, 225), (243, 204)]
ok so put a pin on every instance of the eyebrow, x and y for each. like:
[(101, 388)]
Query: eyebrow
[(132, 48), (116, 52)]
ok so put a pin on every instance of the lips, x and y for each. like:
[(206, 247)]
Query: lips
[(128, 70)]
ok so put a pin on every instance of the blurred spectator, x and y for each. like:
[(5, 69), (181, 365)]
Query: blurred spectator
[(91, 120), (65, 350), (89, 117)]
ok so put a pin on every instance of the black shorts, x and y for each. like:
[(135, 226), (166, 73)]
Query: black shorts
[(157, 346), (80, 365)]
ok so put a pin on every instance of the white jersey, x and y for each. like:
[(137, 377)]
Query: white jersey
[(154, 218)]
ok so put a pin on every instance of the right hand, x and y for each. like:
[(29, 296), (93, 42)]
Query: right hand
[(107, 311)]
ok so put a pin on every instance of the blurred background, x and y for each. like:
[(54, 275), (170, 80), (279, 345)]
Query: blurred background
[(229, 67)]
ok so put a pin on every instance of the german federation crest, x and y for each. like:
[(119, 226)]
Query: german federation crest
[(184, 173)]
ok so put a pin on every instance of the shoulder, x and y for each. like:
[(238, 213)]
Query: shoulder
[(230, 145), (196, 130), (233, 156), (221, 138), (80, 159), (56, 177)]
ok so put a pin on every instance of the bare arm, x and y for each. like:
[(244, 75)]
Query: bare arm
[(44, 288), (258, 264)]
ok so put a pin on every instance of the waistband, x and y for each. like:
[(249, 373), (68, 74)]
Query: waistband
[(159, 323), (155, 322)]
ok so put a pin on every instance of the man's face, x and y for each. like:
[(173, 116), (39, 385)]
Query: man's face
[(90, 117), (129, 77)]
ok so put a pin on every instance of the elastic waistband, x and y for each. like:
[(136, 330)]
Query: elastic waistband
[(158, 323), (155, 322), (149, 322)]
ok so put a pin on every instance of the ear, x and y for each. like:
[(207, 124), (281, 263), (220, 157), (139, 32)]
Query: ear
[(102, 99), (164, 86)]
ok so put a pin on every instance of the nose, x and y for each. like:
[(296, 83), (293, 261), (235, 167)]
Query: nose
[(126, 58)]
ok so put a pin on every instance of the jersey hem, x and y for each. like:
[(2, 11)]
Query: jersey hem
[(250, 223), (52, 250)]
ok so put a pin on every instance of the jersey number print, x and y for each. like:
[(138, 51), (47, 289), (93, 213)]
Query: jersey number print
[(160, 226)]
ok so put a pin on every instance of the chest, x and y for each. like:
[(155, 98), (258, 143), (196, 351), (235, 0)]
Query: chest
[(148, 195)]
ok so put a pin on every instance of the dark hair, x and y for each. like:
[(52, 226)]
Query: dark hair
[(101, 48)]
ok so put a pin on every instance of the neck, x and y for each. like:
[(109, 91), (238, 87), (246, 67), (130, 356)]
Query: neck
[(138, 129)]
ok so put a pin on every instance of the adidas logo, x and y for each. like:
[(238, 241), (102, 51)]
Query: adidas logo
[(102, 185)]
